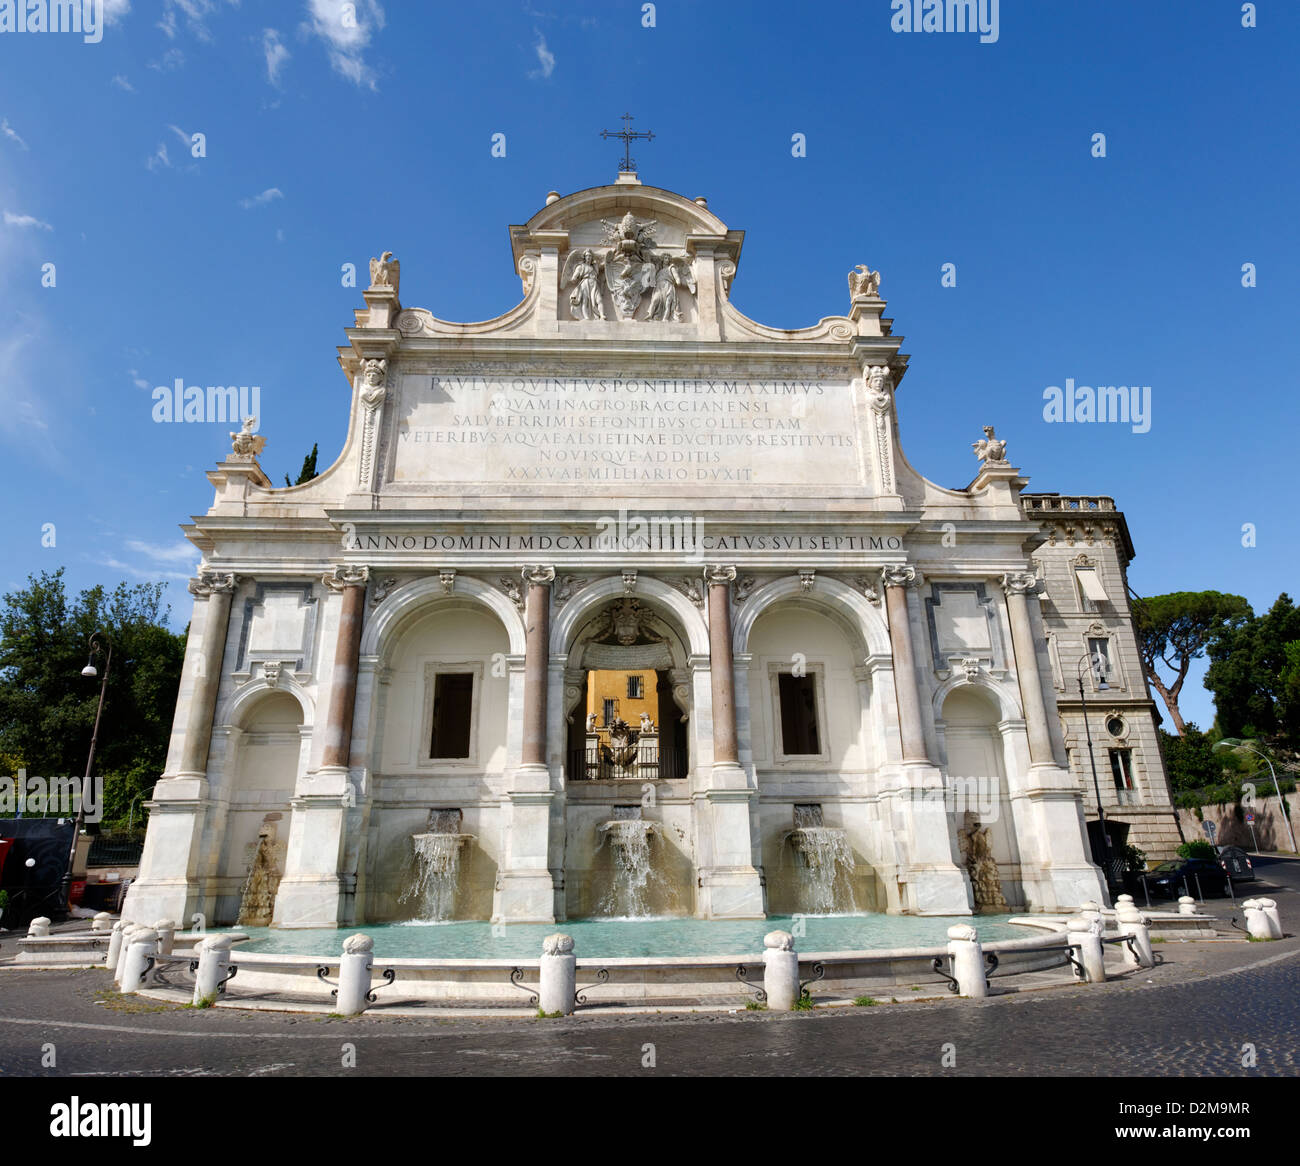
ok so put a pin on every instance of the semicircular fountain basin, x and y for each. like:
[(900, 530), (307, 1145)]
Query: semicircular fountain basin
[(634, 937)]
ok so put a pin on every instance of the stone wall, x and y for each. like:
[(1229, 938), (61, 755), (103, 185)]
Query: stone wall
[(1233, 829)]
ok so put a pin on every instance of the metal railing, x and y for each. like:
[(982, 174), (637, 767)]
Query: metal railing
[(652, 763)]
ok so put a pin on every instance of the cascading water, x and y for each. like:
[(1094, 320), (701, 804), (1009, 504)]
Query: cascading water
[(437, 866), (629, 844), (824, 856)]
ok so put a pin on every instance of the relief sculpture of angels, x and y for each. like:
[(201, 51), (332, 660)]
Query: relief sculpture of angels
[(631, 266)]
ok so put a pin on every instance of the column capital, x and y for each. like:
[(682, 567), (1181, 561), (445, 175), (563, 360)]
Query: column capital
[(899, 575), (538, 576), (1020, 583), (343, 577), (213, 583), (719, 573)]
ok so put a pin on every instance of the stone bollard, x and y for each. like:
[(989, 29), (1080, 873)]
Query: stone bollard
[(1269, 907), (780, 971), (102, 921), (1086, 932), (354, 974), (559, 975), (114, 945), (38, 928), (214, 966), (1122, 899), (1257, 922), (1186, 905), (967, 961), (166, 929), (128, 937), (144, 943), (1133, 922)]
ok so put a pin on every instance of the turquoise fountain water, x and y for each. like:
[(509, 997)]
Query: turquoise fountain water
[(611, 938)]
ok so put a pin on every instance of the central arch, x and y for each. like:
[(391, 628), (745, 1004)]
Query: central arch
[(635, 774)]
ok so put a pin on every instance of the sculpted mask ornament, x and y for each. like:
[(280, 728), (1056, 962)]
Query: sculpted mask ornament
[(719, 573), (385, 272), (373, 375), (864, 283), (879, 383), (539, 576), (990, 449), (447, 578), (246, 444)]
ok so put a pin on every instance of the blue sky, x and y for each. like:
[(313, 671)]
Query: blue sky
[(325, 144)]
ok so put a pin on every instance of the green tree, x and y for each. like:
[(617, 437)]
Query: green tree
[(1254, 674), (1190, 762), (308, 471), (47, 708), (1176, 629)]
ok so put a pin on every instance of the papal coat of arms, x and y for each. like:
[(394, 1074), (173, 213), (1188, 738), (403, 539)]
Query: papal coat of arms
[(631, 266)]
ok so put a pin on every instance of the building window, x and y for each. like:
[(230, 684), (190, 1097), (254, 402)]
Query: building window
[(635, 688), (798, 695), (453, 703), (1121, 770), (1099, 660), (1091, 592), (610, 710)]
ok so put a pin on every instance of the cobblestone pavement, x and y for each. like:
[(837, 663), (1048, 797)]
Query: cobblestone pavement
[(1196, 1015)]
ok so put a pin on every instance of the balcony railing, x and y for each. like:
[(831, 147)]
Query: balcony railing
[(652, 763)]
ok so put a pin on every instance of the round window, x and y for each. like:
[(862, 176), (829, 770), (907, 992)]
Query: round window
[(1115, 726)]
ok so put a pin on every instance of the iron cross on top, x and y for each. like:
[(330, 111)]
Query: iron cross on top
[(628, 134)]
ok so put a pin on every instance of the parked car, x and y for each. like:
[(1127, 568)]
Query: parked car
[(1236, 862), (1169, 878)]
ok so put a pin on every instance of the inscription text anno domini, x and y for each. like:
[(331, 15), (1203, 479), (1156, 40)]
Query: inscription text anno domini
[(603, 429)]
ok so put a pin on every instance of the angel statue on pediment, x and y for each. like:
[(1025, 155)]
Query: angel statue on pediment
[(674, 272), (582, 271)]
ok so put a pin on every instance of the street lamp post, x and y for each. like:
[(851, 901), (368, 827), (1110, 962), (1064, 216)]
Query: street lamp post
[(90, 671), (1237, 743), (1099, 663)]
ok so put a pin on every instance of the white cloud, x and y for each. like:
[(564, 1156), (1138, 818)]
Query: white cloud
[(11, 133), (122, 83), (138, 380), (13, 220), (261, 199), (160, 160), (114, 10), (171, 60), (136, 572), (346, 28), (276, 54), (195, 12), (180, 133), (178, 553), (545, 59)]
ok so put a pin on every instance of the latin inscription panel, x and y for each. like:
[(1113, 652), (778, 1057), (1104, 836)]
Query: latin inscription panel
[(690, 432)]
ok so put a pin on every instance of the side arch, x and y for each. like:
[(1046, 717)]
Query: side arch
[(837, 599), (415, 598)]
